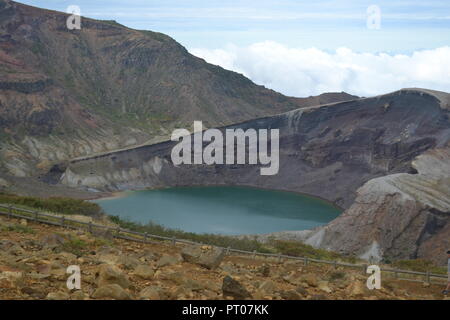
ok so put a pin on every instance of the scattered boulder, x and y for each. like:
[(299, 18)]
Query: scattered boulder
[(318, 297), (155, 293), (356, 288), (112, 275), (310, 280), (177, 277), (128, 262), (37, 276), (292, 279), (324, 286), (108, 258), (267, 286), (234, 289), (301, 291), (78, 295), (229, 268), (209, 295), (193, 285), (111, 291), (109, 250), (144, 272), (290, 295), (66, 257), (341, 284), (205, 256), (57, 269), (181, 293), (58, 296), (51, 266), (264, 270), (151, 293), (11, 275), (147, 256), (29, 290), (35, 293), (168, 260), (52, 240), (44, 267)]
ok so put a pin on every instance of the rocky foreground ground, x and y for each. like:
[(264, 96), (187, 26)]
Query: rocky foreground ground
[(34, 259)]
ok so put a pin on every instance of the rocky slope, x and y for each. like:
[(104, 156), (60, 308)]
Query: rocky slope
[(68, 93), (397, 216), (395, 147), (34, 259)]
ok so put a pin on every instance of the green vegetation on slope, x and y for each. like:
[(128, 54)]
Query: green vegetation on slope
[(420, 265), (17, 228), (57, 205), (212, 239), (75, 246), (297, 249)]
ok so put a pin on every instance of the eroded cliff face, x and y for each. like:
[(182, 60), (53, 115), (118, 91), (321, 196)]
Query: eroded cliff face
[(327, 151), (385, 159), (397, 216)]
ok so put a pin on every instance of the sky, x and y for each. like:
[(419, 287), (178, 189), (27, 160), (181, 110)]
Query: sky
[(297, 47)]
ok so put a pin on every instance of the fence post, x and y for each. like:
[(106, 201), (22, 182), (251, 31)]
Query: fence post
[(335, 264), (364, 268), (305, 260), (428, 277), (90, 227), (36, 215), (395, 274), (279, 258), (254, 254), (228, 250), (63, 221), (174, 240), (117, 231), (9, 211), (145, 236)]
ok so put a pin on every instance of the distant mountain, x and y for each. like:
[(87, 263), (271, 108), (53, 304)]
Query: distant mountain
[(68, 93)]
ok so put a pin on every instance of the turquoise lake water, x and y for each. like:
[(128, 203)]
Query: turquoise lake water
[(222, 210)]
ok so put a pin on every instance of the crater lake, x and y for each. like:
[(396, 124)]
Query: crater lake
[(221, 209)]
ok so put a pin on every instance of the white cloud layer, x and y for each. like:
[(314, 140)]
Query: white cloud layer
[(304, 72)]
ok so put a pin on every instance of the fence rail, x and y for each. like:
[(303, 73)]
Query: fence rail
[(117, 232)]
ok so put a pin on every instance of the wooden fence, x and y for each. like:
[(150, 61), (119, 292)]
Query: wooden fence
[(62, 221)]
